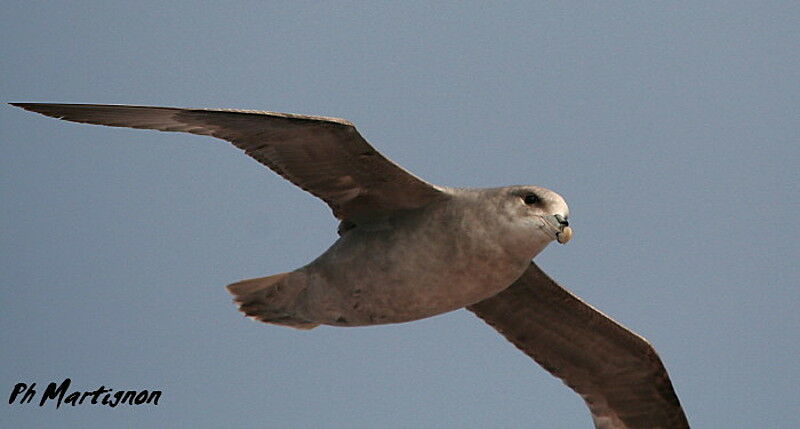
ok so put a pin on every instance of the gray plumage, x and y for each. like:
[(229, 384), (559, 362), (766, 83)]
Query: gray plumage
[(617, 372), (409, 250)]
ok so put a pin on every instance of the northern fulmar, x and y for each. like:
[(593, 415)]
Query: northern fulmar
[(408, 249)]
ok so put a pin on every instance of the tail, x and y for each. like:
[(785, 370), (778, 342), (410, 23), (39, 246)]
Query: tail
[(271, 300)]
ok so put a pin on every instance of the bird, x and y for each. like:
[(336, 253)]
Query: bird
[(408, 249)]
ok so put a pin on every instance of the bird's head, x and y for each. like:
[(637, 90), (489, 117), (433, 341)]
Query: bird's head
[(541, 209)]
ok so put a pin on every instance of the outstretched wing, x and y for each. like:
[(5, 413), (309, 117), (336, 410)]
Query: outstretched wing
[(324, 156), (617, 372)]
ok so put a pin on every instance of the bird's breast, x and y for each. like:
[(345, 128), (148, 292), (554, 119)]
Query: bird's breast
[(408, 270)]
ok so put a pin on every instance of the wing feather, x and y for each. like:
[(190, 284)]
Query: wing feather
[(324, 156), (617, 372)]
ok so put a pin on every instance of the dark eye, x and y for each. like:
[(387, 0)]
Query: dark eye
[(531, 199)]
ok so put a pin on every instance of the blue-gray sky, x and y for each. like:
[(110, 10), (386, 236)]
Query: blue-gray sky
[(670, 128)]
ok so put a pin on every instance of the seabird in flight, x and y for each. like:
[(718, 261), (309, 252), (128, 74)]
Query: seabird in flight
[(409, 250)]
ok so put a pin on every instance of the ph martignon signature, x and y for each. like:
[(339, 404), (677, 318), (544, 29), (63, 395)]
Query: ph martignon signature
[(61, 394)]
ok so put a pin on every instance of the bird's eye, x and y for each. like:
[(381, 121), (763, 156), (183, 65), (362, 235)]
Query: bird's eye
[(531, 199)]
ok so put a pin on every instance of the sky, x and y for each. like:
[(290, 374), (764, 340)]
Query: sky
[(671, 129)]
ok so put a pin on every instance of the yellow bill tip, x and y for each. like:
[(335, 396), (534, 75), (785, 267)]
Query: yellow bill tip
[(565, 235)]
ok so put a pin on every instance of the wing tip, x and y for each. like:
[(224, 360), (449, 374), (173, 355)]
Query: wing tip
[(53, 110), (40, 108), (33, 107)]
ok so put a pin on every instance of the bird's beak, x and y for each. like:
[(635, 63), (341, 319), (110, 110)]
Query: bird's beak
[(560, 227)]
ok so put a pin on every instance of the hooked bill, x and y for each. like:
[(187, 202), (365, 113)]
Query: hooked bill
[(565, 235)]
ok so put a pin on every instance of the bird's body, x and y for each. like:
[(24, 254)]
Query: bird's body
[(409, 249), (412, 264)]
